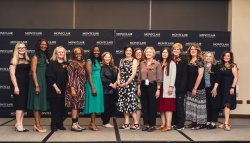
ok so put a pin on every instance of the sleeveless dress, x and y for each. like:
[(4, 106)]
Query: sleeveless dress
[(227, 79), (39, 101), (127, 102), (22, 78), (94, 104)]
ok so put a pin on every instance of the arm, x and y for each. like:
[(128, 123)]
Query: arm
[(217, 80), (34, 75), (134, 67), (172, 77), (71, 79), (139, 82), (184, 72), (13, 79), (198, 80), (158, 79), (236, 77), (89, 72)]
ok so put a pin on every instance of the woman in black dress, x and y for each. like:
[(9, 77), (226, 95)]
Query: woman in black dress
[(229, 78), (19, 74), (212, 78), (57, 79)]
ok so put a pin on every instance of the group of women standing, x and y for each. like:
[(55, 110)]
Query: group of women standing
[(144, 85)]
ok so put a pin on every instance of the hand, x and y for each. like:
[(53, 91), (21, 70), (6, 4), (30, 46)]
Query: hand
[(37, 90), (139, 92), (170, 90), (157, 94), (122, 84), (214, 92), (73, 92), (114, 85), (94, 92), (232, 91), (16, 91), (58, 91), (194, 91)]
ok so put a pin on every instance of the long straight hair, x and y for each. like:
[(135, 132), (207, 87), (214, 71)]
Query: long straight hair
[(15, 58), (169, 59)]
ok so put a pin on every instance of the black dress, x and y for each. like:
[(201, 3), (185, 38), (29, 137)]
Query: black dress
[(226, 82), (22, 78)]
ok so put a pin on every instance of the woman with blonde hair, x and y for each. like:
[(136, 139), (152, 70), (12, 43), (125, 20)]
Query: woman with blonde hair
[(108, 76), (212, 79), (19, 74), (57, 79), (196, 93), (149, 84)]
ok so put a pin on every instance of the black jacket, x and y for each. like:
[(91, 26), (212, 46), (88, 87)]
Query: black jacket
[(108, 75), (181, 76)]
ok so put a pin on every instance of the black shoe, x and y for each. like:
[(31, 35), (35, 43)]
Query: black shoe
[(53, 128), (174, 127), (210, 126), (193, 124), (145, 128), (180, 127), (199, 126), (151, 129), (61, 127)]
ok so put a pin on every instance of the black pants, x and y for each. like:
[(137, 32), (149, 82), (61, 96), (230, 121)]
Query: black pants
[(179, 114), (148, 101), (212, 110), (109, 108), (57, 105)]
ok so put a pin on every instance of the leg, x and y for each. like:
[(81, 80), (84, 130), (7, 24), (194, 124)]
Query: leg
[(163, 121), (106, 114), (144, 102), (18, 125), (180, 112)]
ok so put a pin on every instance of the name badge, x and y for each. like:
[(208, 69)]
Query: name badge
[(146, 82)]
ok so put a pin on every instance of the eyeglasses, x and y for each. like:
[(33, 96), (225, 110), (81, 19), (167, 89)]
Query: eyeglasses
[(21, 47)]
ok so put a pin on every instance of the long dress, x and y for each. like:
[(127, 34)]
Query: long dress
[(77, 79), (227, 79), (127, 97), (39, 101), (22, 78), (94, 104)]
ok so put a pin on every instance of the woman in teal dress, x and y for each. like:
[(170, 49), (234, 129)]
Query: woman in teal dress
[(37, 95), (94, 102)]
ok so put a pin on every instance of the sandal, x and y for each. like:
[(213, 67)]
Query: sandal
[(167, 128), (135, 127), (221, 126), (125, 126), (160, 127), (93, 127), (227, 127)]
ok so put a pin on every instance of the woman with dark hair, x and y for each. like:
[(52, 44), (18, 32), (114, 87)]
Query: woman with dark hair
[(108, 76), (229, 78), (57, 76), (94, 90), (126, 91), (75, 88), (167, 91), (196, 95), (212, 79), (37, 97), (19, 74)]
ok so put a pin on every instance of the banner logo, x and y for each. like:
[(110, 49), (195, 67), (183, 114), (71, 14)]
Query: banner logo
[(52, 42), (105, 43), (62, 34), (4, 69), (90, 34), (119, 52), (206, 35), (6, 87), (124, 34), (190, 43), (152, 34), (6, 51), (14, 42), (138, 43), (33, 33), (180, 35), (31, 51), (76, 43), (221, 45), (161, 44), (6, 33), (6, 105)]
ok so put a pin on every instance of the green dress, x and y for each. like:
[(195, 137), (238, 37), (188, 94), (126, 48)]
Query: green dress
[(38, 101), (94, 104)]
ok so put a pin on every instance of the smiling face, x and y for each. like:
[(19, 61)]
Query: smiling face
[(128, 52), (96, 52), (193, 51), (227, 57), (43, 46), (176, 51), (21, 49), (164, 54), (208, 58), (107, 58), (78, 54), (149, 53), (138, 54), (60, 53)]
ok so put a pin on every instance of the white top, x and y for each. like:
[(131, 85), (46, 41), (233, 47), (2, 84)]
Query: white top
[(169, 80)]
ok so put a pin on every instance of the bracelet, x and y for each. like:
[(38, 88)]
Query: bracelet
[(232, 87)]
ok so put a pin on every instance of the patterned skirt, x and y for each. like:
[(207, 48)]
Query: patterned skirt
[(196, 107)]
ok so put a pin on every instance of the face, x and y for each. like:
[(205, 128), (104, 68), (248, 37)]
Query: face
[(107, 59), (208, 58), (43, 46), (227, 57), (128, 52), (96, 52), (176, 51), (78, 54), (164, 54), (193, 51), (60, 53), (138, 54), (149, 53), (21, 49)]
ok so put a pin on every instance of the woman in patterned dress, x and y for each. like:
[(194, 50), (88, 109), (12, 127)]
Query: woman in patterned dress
[(196, 94), (126, 91), (229, 78), (75, 89)]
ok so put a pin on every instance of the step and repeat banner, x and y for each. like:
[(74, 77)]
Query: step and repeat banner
[(109, 40)]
